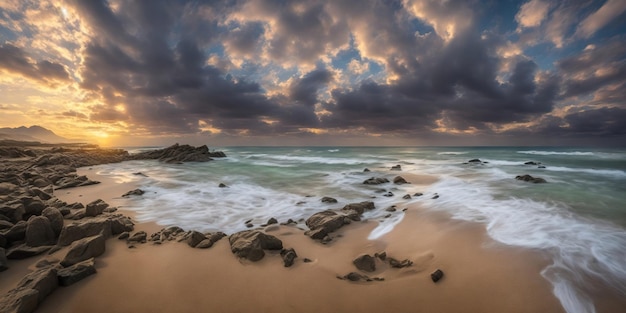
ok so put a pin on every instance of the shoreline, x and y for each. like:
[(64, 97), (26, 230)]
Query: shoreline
[(476, 269), (480, 274)]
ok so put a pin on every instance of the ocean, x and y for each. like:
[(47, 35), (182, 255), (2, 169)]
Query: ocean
[(577, 218)]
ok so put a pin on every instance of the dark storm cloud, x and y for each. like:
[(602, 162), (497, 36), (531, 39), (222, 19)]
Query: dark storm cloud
[(304, 90), (15, 60)]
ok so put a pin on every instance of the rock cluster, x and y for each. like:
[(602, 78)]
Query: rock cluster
[(179, 153)]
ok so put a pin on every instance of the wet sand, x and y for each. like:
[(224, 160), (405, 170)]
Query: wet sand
[(480, 275)]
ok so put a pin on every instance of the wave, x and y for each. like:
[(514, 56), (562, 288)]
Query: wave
[(313, 159), (574, 153), (451, 153), (578, 247), (602, 172)]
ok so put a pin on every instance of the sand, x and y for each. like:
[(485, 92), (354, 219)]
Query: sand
[(480, 275)]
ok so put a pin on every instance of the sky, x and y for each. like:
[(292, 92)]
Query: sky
[(336, 72)]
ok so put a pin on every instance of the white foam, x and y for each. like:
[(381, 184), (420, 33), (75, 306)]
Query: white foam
[(537, 152), (312, 159), (603, 172), (451, 153), (577, 246)]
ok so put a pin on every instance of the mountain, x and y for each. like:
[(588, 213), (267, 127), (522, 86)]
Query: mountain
[(33, 133)]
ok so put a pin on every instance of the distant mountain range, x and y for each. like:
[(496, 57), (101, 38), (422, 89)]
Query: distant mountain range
[(33, 133)]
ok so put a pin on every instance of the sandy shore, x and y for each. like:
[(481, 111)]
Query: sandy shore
[(480, 276)]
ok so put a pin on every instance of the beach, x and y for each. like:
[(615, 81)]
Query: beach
[(480, 274)]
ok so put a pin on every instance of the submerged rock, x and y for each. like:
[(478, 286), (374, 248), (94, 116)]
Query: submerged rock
[(528, 178), (375, 181), (399, 180)]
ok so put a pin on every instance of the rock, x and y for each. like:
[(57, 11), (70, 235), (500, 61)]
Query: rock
[(399, 180), (354, 276), (288, 255), (46, 262), (396, 168), (33, 206), (195, 238), (77, 272), (139, 236), (323, 223), (365, 263), (541, 166), (249, 225), (16, 233), (475, 161), (179, 153), (30, 291), (436, 196), (437, 275), (391, 209), (532, 163), (136, 192), (375, 181), (381, 255), (528, 178), (329, 200), (140, 174), (388, 194), (39, 232), (210, 240), (307, 260), (56, 219), (222, 185), (272, 221), (105, 225), (400, 264), (250, 244), (84, 249), (95, 208), (366, 170), (359, 207), (406, 197), (7, 188), (4, 263), (14, 211), (23, 251), (418, 194), (4, 224)]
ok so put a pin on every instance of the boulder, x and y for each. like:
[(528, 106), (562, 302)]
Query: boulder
[(136, 192), (16, 233), (329, 200), (288, 255), (210, 240), (33, 206), (4, 224), (396, 168), (250, 244), (322, 223), (272, 221), (14, 211), (4, 263), (528, 178), (84, 249), (365, 263), (30, 291), (399, 180), (77, 272), (23, 251), (406, 197), (359, 207), (95, 208), (195, 238), (105, 225), (475, 161), (375, 181), (366, 170), (222, 185), (20, 300), (139, 236), (56, 219), (39, 232)]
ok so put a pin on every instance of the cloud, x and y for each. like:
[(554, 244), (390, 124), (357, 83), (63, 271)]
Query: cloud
[(532, 13), (610, 10), (15, 60)]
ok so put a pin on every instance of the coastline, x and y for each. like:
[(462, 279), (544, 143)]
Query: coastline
[(480, 275)]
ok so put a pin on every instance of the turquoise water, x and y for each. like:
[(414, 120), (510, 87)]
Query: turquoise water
[(578, 218)]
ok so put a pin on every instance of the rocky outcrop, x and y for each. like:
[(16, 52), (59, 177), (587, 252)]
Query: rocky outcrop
[(250, 244), (179, 153), (528, 178), (39, 232), (107, 225), (84, 249), (375, 181), (95, 208), (77, 272), (30, 291), (322, 223)]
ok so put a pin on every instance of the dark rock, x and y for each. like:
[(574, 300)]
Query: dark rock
[(23, 251), (437, 275), (250, 244), (541, 166), (406, 197), (39, 232), (75, 273), (249, 225), (46, 262), (84, 249), (365, 263), (95, 208), (195, 238), (354, 276), (388, 194), (366, 170), (16, 233), (139, 236), (323, 223), (140, 174), (329, 200), (436, 196), (30, 291), (359, 207), (4, 263), (222, 185), (14, 211), (399, 180), (136, 192), (75, 214), (56, 219), (307, 260), (528, 178), (532, 163), (4, 224), (179, 153), (418, 194), (272, 221), (20, 300), (288, 255), (381, 256), (391, 209), (375, 181), (400, 264), (396, 168), (475, 161), (105, 225)]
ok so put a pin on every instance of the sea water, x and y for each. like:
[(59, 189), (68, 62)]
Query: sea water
[(578, 218)]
